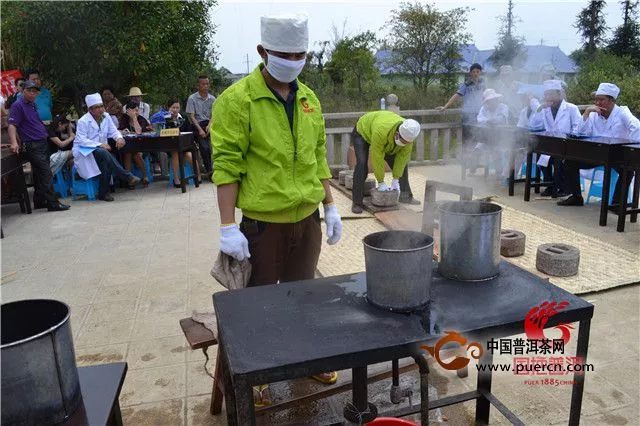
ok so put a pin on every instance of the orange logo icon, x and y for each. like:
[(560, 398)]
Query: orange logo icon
[(459, 362)]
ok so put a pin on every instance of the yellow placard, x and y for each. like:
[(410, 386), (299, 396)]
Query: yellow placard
[(170, 132)]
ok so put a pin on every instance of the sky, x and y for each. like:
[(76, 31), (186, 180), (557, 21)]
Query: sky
[(238, 22)]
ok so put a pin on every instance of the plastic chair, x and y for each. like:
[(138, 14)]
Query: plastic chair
[(62, 182), (188, 171), (88, 187), (391, 421), (595, 189), (147, 165)]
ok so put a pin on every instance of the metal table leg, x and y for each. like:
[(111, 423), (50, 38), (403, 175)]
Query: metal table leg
[(229, 391), (622, 202), (578, 377), (483, 405), (604, 202), (527, 182)]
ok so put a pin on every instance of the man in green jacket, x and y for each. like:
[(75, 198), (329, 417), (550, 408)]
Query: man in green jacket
[(389, 138)]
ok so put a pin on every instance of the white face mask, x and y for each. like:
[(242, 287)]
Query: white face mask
[(399, 141), (283, 70)]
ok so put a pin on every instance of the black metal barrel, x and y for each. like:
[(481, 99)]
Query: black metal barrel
[(39, 375)]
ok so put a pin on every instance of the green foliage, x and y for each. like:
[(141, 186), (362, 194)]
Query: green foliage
[(160, 47), (423, 39), (606, 67), (352, 62), (591, 25), (626, 38), (510, 48)]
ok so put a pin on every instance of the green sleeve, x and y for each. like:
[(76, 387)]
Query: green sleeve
[(322, 171), (229, 140), (377, 161), (401, 160)]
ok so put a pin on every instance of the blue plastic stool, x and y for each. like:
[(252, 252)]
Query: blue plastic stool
[(188, 171), (62, 182), (88, 187), (147, 166), (595, 189)]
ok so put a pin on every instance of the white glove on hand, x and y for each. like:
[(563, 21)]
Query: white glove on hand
[(334, 224), (382, 187), (395, 185), (234, 243)]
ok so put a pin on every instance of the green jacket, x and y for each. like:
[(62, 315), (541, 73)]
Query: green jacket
[(279, 171), (378, 129)]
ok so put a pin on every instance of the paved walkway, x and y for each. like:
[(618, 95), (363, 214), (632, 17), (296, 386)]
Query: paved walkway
[(132, 268)]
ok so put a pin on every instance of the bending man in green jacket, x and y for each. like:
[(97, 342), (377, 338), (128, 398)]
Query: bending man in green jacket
[(390, 137)]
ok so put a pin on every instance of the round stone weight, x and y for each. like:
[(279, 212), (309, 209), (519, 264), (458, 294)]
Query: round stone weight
[(511, 243), (343, 174), (558, 259), (384, 198), (336, 169), (348, 181), (369, 185)]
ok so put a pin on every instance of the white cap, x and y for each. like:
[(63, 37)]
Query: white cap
[(608, 89), (409, 130), (552, 85), (489, 94), (284, 33), (93, 99)]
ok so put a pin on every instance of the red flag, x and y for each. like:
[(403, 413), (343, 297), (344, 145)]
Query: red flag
[(7, 80)]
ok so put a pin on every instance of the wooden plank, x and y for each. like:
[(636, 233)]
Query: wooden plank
[(197, 334), (331, 155)]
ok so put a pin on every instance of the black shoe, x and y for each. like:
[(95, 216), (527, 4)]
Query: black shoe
[(177, 185), (548, 192), (132, 181), (408, 199), (57, 207), (106, 197), (37, 206), (559, 194), (572, 201), (356, 208)]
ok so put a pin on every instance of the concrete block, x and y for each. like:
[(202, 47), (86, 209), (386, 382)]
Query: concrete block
[(558, 259), (512, 243)]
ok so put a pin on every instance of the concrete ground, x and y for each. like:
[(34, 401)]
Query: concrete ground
[(132, 268)]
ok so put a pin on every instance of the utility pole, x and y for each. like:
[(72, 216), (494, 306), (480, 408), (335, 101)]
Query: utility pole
[(247, 62)]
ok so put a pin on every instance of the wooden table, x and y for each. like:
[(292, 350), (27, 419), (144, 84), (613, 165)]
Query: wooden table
[(599, 151), (630, 165), (180, 144), (100, 386)]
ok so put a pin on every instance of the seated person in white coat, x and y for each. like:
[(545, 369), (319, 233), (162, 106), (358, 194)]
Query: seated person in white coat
[(493, 112), (91, 151), (555, 115), (605, 118)]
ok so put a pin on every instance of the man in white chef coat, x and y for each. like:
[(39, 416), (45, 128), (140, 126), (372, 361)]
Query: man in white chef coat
[(557, 116), (91, 150), (607, 119)]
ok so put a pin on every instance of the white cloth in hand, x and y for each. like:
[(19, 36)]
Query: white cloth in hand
[(395, 185), (334, 224), (382, 187), (234, 243)]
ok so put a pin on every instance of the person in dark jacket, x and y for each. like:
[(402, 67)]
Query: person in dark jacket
[(175, 120)]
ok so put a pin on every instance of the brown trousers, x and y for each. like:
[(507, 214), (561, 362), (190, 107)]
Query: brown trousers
[(282, 252)]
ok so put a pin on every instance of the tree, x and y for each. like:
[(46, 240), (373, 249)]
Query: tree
[(626, 38), (423, 39), (591, 25), (80, 46), (352, 60), (510, 48)]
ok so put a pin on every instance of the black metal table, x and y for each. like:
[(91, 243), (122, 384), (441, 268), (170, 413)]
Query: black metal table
[(285, 331), (180, 144), (599, 151), (630, 165)]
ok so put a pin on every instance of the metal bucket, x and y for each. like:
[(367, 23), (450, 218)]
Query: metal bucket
[(398, 265), (39, 375), (469, 240)]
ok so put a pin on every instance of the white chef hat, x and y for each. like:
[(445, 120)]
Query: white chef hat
[(552, 85), (284, 33), (608, 89), (93, 99)]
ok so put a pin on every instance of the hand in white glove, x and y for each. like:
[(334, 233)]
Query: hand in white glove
[(383, 187), (395, 185), (334, 224), (233, 242)]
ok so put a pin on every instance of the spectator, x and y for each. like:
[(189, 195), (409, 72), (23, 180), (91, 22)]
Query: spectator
[(508, 87), (25, 121), (94, 129), (17, 84), (529, 105), (199, 107), (471, 92), (132, 122), (44, 101), (111, 104), (135, 95), (172, 121), (61, 136), (493, 111)]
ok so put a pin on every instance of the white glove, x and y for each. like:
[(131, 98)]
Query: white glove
[(395, 185), (234, 243), (382, 187), (334, 224)]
